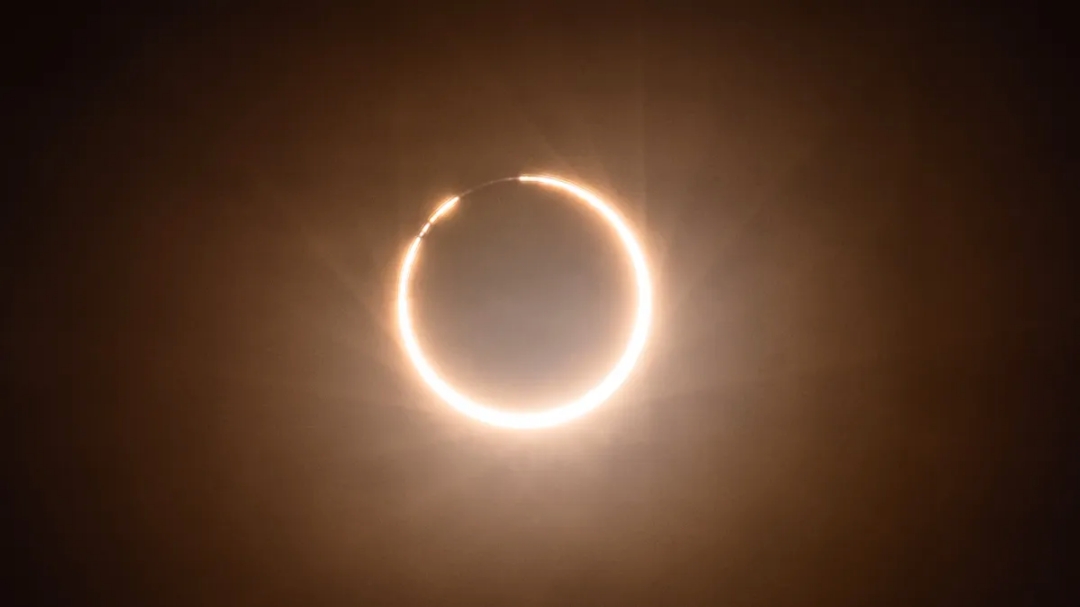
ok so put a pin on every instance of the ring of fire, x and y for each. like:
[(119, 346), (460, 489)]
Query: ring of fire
[(559, 413)]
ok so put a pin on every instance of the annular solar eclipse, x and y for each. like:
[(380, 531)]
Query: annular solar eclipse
[(556, 413)]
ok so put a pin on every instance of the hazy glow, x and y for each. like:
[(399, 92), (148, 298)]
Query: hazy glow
[(557, 413)]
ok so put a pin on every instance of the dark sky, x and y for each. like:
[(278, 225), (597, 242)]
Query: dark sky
[(857, 390)]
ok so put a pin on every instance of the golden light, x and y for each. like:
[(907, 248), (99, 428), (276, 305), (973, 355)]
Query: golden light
[(560, 412)]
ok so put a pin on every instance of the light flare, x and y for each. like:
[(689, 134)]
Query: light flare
[(558, 413)]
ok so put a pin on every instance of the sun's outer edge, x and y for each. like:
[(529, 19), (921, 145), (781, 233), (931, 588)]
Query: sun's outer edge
[(558, 414)]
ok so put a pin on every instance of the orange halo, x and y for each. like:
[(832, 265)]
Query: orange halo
[(558, 413)]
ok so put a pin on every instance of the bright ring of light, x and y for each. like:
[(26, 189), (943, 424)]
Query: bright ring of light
[(560, 413)]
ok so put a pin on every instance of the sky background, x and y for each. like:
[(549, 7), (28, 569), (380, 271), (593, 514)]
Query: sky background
[(855, 393)]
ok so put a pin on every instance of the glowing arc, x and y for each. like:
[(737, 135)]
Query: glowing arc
[(558, 414)]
